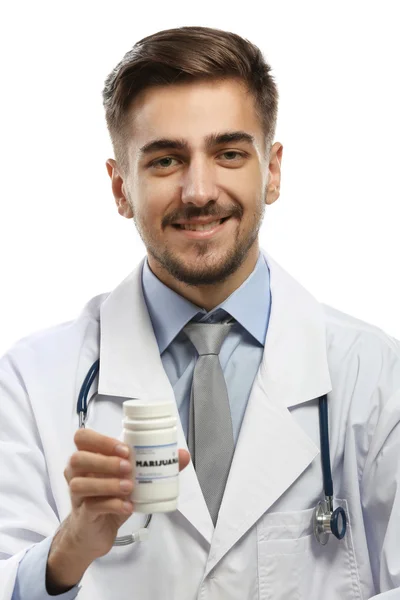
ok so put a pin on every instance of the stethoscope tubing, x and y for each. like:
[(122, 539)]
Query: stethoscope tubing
[(84, 391), (324, 439)]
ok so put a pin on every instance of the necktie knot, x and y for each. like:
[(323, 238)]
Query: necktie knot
[(207, 338)]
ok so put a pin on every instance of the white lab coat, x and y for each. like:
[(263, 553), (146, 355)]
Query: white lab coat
[(263, 546)]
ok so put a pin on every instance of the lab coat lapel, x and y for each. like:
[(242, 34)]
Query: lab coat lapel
[(272, 450), (131, 367)]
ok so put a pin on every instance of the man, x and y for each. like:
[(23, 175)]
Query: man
[(192, 114)]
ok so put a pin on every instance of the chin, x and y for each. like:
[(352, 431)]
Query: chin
[(206, 269)]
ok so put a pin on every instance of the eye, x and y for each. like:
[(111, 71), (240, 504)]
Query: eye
[(230, 152), (162, 160)]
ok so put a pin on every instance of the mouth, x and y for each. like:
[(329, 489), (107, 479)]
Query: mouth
[(201, 232)]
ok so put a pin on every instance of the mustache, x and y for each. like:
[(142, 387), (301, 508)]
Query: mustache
[(195, 212)]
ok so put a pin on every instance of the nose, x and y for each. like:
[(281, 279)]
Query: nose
[(199, 184)]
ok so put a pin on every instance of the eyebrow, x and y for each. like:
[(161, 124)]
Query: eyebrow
[(214, 139)]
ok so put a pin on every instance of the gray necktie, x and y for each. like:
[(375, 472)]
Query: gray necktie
[(210, 438)]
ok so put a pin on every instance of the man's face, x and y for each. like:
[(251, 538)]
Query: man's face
[(168, 184)]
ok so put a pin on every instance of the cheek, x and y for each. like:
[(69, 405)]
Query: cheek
[(148, 207), (244, 185), (149, 218)]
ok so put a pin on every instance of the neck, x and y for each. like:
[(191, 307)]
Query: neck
[(209, 296)]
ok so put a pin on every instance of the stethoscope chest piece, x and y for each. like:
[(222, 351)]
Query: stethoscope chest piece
[(327, 521)]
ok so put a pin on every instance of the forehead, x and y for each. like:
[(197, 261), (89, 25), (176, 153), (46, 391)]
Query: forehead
[(191, 111)]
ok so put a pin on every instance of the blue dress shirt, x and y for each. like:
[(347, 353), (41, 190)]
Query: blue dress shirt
[(241, 351), (240, 357)]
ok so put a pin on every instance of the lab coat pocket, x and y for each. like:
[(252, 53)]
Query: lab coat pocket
[(293, 565)]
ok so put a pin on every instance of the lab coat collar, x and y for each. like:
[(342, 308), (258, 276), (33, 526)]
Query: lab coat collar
[(296, 323), (295, 360), (294, 369)]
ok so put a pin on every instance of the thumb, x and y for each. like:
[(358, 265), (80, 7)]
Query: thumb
[(184, 459)]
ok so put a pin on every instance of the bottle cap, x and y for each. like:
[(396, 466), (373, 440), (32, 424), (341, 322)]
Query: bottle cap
[(136, 409)]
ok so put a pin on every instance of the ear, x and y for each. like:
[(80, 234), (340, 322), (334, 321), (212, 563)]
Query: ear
[(117, 186), (274, 182)]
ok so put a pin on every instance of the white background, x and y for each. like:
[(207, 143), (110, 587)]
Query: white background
[(335, 227)]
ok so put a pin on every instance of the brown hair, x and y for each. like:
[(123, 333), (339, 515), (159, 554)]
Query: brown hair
[(180, 55)]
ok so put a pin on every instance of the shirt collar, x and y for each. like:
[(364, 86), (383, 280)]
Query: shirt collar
[(169, 312)]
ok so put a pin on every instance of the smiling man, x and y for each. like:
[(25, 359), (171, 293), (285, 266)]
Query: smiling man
[(197, 189), (211, 323)]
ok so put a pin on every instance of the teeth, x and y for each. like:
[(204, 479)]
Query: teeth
[(201, 227)]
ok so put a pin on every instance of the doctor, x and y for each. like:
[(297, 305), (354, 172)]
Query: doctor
[(192, 115)]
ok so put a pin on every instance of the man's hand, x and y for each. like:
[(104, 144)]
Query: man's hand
[(100, 479)]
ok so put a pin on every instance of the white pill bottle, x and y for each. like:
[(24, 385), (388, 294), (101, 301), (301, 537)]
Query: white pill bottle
[(150, 430)]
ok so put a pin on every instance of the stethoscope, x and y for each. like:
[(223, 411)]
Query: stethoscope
[(326, 520)]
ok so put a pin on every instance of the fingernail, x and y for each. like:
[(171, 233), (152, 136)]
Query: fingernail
[(127, 507), (126, 485), (125, 466), (122, 450)]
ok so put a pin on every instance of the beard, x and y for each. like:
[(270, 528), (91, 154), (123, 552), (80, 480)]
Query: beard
[(212, 264)]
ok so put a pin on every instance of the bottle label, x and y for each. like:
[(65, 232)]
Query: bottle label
[(156, 464)]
